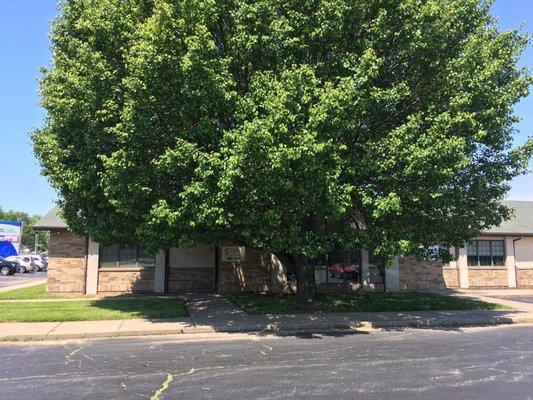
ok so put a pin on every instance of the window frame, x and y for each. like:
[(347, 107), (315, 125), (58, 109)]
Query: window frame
[(117, 265), (491, 254)]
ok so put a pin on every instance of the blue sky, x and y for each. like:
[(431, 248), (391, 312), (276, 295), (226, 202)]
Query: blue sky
[(24, 48)]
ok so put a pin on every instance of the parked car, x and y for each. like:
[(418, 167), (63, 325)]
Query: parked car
[(7, 267), (25, 263), (40, 262), (347, 272)]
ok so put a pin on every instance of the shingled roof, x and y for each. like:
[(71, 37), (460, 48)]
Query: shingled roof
[(520, 225), (51, 220)]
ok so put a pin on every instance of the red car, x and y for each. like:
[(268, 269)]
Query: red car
[(347, 272)]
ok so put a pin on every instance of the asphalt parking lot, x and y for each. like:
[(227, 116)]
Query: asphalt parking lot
[(17, 279), (451, 364)]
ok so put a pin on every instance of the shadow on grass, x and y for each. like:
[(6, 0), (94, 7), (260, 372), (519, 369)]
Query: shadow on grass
[(357, 302), (142, 307)]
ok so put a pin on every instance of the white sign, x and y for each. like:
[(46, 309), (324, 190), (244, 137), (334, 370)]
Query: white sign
[(232, 253)]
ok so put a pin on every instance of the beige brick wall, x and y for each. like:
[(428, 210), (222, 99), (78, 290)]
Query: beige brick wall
[(253, 274), (191, 279), (126, 281), (451, 277), (487, 277), (524, 278), (67, 262), (421, 275)]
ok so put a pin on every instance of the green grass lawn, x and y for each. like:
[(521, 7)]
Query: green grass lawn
[(357, 302), (83, 310), (91, 310), (31, 292)]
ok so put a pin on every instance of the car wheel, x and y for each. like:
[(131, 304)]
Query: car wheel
[(4, 271), (21, 269)]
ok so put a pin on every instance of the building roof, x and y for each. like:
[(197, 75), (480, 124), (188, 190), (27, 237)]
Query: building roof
[(51, 220), (520, 225)]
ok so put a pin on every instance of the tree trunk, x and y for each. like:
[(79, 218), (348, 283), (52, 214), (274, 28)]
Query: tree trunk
[(305, 279)]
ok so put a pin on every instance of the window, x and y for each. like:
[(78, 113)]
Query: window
[(337, 266), (115, 257), (485, 253)]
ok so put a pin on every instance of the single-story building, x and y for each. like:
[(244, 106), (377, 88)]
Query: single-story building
[(501, 257)]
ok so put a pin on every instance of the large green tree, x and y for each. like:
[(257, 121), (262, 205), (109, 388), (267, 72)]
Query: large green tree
[(292, 126)]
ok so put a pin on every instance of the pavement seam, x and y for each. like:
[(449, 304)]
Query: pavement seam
[(51, 330), (120, 326)]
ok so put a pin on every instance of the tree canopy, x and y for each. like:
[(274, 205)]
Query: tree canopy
[(293, 126)]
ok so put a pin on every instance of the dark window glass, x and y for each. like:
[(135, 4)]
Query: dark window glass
[(146, 259), (471, 251), (472, 260), (337, 266), (113, 257), (498, 253), (108, 256), (486, 253), (127, 257)]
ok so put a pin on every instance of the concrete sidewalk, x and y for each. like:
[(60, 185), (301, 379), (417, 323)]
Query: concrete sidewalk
[(508, 297), (211, 313)]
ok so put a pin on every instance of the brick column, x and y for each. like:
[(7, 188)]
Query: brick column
[(91, 284), (392, 276), (510, 261), (160, 272), (462, 266)]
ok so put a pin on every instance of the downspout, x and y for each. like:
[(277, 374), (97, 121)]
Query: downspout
[(514, 257)]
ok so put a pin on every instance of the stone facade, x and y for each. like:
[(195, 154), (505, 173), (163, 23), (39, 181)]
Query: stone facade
[(524, 278), (451, 277), (194, 270), (191, 280), (487, 277), (257, 272), (138, 280), (67, 262), (423, 275)]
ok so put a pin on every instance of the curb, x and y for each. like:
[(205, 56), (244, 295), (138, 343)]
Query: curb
[(280, 328), (101, 335)]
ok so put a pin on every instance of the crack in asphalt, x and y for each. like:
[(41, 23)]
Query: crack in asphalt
[(164, 386), (68, 357)]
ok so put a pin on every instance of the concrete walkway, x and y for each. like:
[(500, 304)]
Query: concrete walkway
[(210, 313), (518, 299)]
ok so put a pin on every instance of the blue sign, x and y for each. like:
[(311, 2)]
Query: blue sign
[(10, 234)]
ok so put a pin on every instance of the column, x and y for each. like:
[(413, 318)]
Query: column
[(365, 270), (392, 276), (160, 272), (462, 266), (510, 261), (91, 284)]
